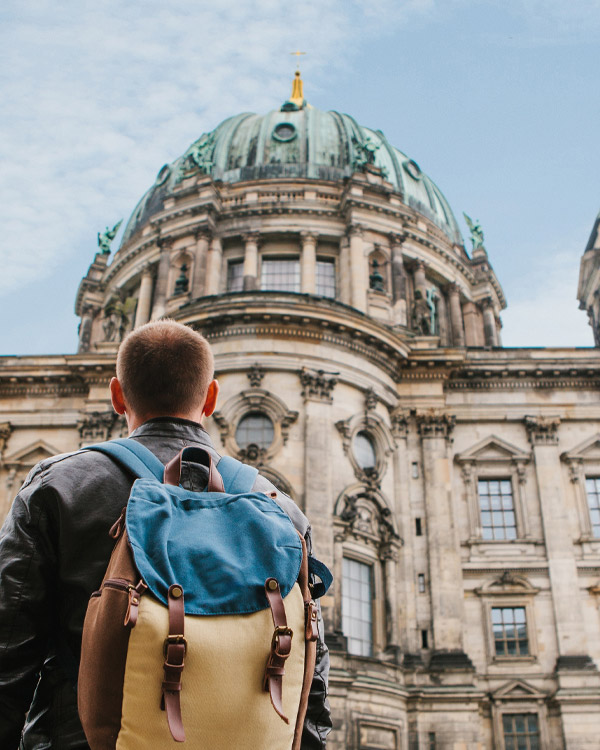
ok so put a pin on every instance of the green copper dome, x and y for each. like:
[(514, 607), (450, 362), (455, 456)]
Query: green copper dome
[(298, 142)]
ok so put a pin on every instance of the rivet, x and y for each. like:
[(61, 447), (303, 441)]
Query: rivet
[(272, 584), (176, 592)]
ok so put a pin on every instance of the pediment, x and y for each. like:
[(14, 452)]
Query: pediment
[(589, 450), (32, 454), (507, 584), (517, 690), (493, 449)]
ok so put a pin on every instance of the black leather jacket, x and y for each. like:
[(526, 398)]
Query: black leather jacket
[(54, 548)]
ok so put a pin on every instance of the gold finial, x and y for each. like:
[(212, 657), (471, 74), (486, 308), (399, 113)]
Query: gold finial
[(297, 96)]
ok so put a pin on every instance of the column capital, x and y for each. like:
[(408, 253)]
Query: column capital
[(433, 424), (90, 309), (355, 230), (317, 384), (542, 430), (397, 238), (307, 236), (148, 269), (203, 234), (251, 237)]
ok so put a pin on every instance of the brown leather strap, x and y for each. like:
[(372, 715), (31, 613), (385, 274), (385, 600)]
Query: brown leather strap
[(135, 594), (174, 651), (172, 473), (281, 645)]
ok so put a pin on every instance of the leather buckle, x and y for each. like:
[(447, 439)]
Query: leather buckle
[(277, 633), (174, 640)]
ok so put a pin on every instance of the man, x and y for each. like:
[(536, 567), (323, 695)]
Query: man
[(54, 545)]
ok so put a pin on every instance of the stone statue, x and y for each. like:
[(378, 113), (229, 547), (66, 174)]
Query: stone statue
[(200, 153), (364, 153), (376, 279), (117, 315), (432, 297), (476, 232), (421, 316), (182, 283), (105, 238)]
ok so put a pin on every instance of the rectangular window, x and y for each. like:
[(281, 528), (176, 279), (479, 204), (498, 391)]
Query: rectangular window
[(280, 274), (592, 488), (235, 276), (418, 527), (421, 581), (326, 278), (497, 509), (509, 625), (521, 732), (357, 609)]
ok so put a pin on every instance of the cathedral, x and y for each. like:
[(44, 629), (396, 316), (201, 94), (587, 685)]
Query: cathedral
[(453, 485)]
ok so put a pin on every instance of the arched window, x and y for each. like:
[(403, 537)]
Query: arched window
[(255, 428), (364, 450)]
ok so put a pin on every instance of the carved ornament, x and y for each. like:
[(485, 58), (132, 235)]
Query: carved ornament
[(96, 426), (255, 375), (318, 384), (435, 424), (542, 430)]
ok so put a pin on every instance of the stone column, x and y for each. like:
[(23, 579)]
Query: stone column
[(213, 266), (562, 567), (398, 281), (251, 261), (199, 278), (309, 263), (473, 327), (160, 288), (5, 430), (389, 556), (85, 327), (490, 331), (345, 293), (359, 269), (407, 615), (456, 318), (142, 313), (445, 572), (317, 388)]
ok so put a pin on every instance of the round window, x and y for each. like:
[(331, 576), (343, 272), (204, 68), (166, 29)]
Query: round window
[(413, 169), (285, 131), (364, 450), (254, 429), (163, 174)]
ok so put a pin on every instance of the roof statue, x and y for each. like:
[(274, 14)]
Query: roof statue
[(105, 238), (476, 232), (297, 97)]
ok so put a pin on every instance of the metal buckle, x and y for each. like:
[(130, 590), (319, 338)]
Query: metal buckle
[(174, 640)]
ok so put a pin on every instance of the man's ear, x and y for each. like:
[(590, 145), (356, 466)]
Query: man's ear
[(116, 396), (211, 398)]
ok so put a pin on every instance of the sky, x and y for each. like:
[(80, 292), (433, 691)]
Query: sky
[(497, 100)]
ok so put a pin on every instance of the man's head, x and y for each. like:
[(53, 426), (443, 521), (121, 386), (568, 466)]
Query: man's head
[(164, 369)]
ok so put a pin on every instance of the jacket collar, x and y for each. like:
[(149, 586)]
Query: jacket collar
[(172, 427)]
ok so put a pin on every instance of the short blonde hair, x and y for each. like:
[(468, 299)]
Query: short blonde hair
[(164, 368)]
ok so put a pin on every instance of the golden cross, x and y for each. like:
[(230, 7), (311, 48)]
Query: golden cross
[(297, 53)]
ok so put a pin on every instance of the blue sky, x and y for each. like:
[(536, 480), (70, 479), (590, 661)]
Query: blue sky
[(497, 101)]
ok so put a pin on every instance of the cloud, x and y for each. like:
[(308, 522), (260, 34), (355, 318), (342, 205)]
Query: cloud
[(98, 95)]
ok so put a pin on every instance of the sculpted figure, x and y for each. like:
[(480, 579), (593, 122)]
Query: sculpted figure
[(105, 238), (476, 232)]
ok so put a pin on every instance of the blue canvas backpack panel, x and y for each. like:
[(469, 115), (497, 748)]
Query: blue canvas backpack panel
[(204, 628)]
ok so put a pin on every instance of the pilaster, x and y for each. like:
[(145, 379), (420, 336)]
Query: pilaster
[(142, 313), (359, 268), (160, 289), (309, 262), (213, 266), (456, 318), (251, 261), (199, 278), (398, 281)]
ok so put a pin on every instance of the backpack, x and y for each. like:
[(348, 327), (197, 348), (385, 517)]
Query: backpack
[(205, 626)]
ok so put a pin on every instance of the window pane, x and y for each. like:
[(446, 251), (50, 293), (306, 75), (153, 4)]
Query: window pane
[(521, 731), (592, 486), (326, 278), (364, 451), (509, 628), (235, 276), (280, 274), (496, 495), (357, 618), (254, 429)]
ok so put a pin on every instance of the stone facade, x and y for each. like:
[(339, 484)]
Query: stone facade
[(403, 354)]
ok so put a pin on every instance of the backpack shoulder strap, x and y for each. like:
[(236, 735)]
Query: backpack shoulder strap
[(237, 477), (133, 456)]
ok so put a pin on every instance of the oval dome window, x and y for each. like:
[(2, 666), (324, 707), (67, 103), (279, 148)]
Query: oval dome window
[(413, 169), (163, 174), (285, 131)]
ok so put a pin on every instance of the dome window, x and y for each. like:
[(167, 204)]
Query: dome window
[(413, 169), (284, 132), (163, 174), (254, 429), (364, 451)]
